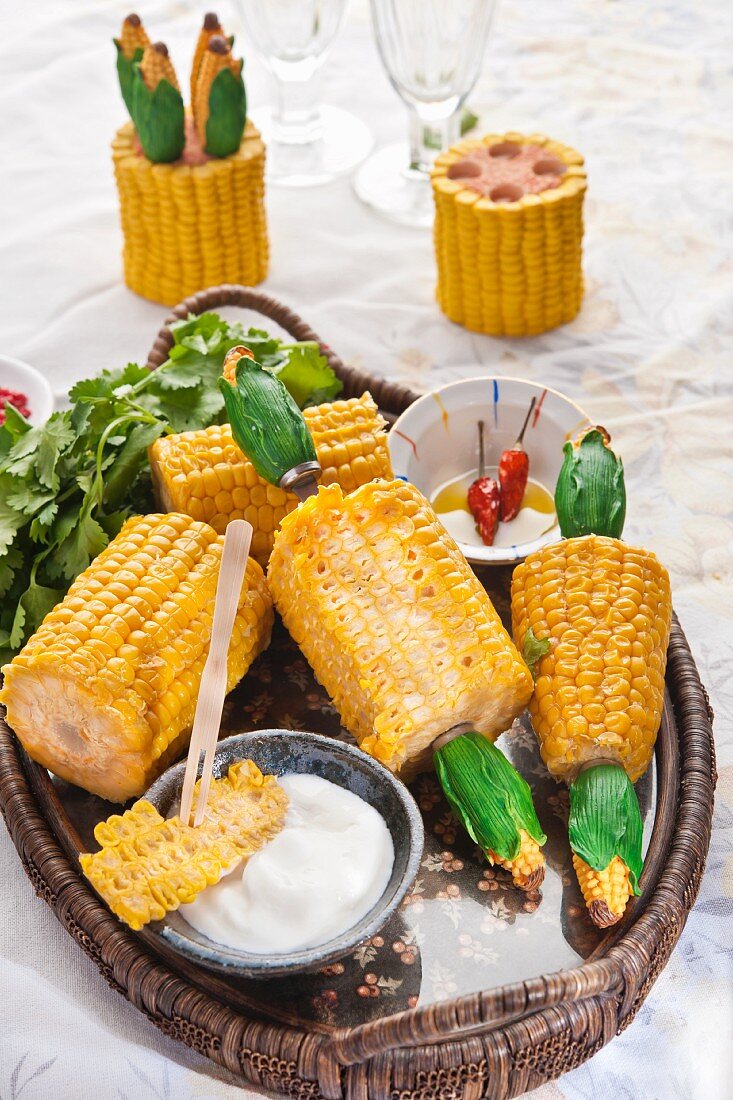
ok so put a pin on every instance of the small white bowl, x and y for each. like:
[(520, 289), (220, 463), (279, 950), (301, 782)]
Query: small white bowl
[(435, 441), (19, 376)]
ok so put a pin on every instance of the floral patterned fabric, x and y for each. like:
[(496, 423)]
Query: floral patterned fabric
[(641, 89)]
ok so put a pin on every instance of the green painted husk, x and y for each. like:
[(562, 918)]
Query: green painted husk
[(227, 114), (159, 119), (605, 820), (488, 796), (267, 425), (590, 495), (125, 73)]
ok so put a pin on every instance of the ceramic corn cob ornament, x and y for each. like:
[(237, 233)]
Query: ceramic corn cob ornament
[(130, 45), (395, 625), (191, 195), (219, 102), (508, 233), (593, 616)]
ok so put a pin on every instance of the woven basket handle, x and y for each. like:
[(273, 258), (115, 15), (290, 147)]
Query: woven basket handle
[(392, 397)]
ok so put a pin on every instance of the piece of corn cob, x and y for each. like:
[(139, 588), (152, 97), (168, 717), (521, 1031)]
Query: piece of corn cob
[(187, 226), (395, 625), (148, 866), (104, 692), (211, 27), (205, 474), (508, 265), (217, 57), (156, 65), (133, 36), (598, 613)]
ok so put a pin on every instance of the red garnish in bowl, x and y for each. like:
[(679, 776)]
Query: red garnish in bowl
[(513, 473), (18, 400), (484, 497)]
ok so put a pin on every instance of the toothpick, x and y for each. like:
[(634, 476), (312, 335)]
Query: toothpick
[(212, 690)]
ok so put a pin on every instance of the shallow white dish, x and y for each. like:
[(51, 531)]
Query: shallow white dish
[(19, 376), (436, 441)]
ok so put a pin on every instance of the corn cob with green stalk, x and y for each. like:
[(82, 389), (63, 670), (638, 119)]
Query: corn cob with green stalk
[(157, 106), (219, 101), (130, 46), (592, 616), (395, 624)]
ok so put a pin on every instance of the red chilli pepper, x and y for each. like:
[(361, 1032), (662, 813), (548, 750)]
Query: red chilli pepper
[(484, 500), (513, 474)]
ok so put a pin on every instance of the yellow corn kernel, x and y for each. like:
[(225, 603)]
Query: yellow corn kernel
[(156, 65), (132, 36), (528, 867), (509, 268), (186, 226), (216, 56), (148, 866), (393, 621), (587, 705), (191, 471), (107, 714), (606, 893)]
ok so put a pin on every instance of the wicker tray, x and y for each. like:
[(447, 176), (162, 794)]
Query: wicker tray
[(472, 990)]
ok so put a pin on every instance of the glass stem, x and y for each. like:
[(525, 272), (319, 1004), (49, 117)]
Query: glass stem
[(297, 114), (428, 137)]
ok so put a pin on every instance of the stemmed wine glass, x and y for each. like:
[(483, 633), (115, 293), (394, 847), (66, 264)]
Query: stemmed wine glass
[(433, 51), (307, 142)]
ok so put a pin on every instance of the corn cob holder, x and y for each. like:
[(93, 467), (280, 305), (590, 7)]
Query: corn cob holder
[(593, 618), (104, 693), (395, 625), (508, 233), (190, 183)]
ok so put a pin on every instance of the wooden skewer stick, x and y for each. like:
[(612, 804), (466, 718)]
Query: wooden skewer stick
[(210, 704), (520, 437)]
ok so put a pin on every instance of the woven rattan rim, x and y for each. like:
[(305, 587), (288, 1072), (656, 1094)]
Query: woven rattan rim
[(497, 1044)]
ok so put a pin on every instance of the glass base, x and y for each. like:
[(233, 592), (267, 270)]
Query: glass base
[(340, 143), (387, 183)]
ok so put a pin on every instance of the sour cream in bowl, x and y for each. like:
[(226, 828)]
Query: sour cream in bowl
[(347, 854)]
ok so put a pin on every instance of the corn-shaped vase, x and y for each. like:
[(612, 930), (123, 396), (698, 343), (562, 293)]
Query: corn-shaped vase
[(395, 625), (594, 615), (104, 693), (508, 233)]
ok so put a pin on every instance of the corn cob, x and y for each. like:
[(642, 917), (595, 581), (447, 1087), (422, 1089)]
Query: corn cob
[(206, 475), (148, 866), (184, 226), (104, 692), (133, 36), (156, 65), (597, 613), (397, 628), (211, 27), (217, 59), (509, 265)]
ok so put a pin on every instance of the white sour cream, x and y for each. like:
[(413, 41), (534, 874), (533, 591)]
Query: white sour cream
[(323, 872)]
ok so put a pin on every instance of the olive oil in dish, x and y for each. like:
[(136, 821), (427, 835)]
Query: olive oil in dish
[(536, 515), (327, 867)]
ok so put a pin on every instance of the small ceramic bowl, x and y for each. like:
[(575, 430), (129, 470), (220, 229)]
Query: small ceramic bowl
[(276, 752), (434, 444), (19, 376)]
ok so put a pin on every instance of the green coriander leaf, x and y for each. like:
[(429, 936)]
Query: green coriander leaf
[(128, 461), (41, 523), (15, 423), (11, 520), (185, 410), (36, 602), (28, 496), (14, 638), (37, 451), (113, 521), (80, 547), (9, 564), (308, 377)]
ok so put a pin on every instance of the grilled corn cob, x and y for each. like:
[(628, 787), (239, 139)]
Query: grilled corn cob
[(211, 27), (148, 866), (219, 74), (597, 614), (133, 36), (396, 626), (104, 692), (206, 475), (509, 263)]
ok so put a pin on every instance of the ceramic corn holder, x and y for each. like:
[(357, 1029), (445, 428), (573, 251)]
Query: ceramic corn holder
[(187, 227), (508, 254)]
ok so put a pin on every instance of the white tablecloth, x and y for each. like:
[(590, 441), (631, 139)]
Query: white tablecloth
[(640, 88)]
